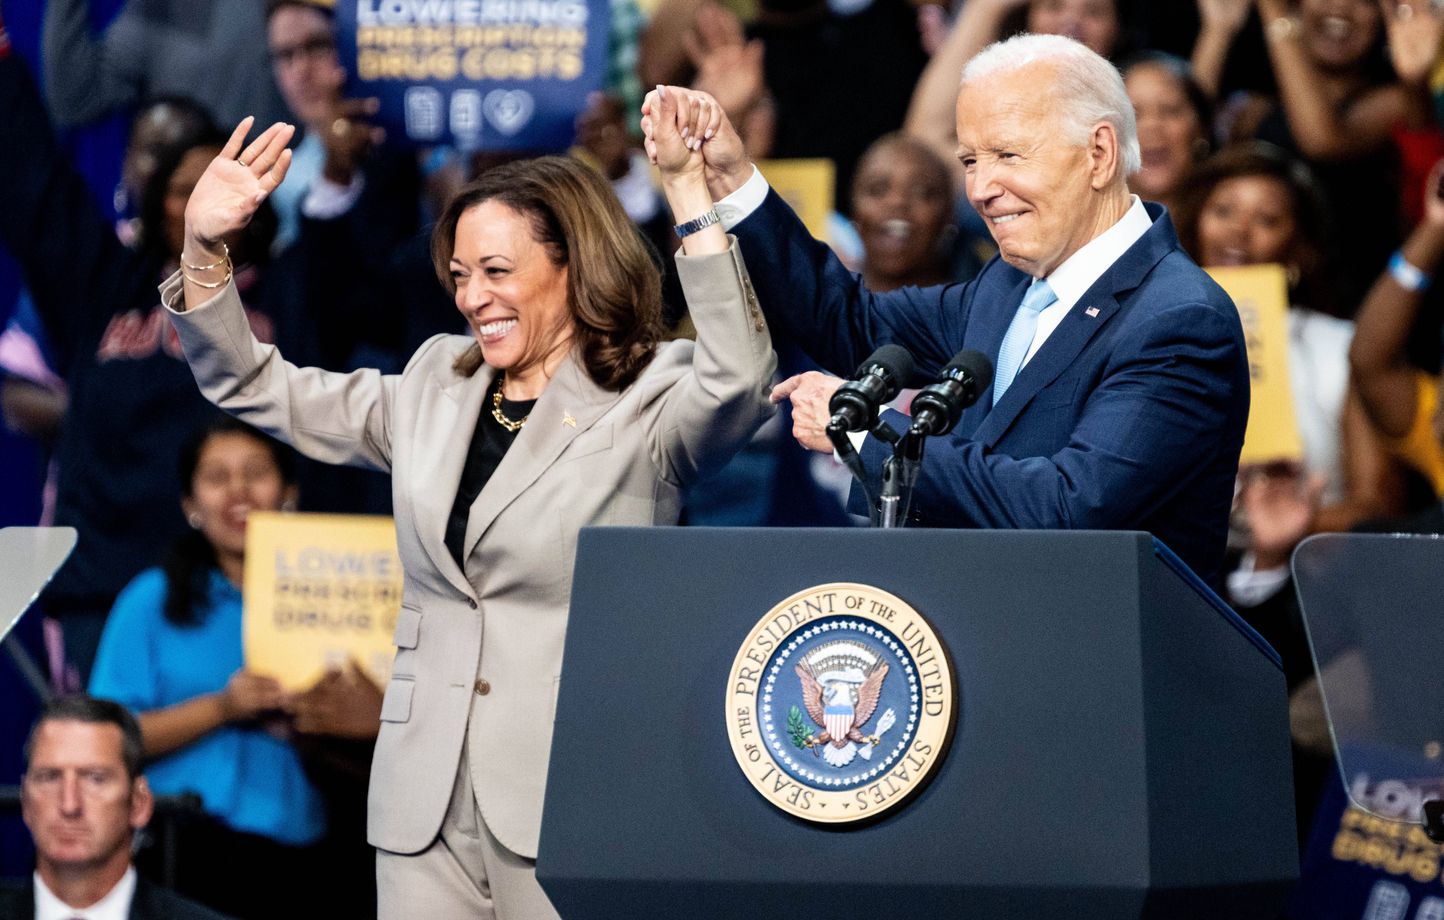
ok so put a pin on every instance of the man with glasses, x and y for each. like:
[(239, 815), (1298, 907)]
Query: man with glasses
[(325, 179), (83, 798)]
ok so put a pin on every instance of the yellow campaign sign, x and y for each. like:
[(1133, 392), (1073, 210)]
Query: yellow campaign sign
[(1261, 294), (808, 185), (320, 589)]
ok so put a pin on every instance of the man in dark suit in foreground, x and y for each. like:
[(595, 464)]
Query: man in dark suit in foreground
[(83, 798), (1121, 389)]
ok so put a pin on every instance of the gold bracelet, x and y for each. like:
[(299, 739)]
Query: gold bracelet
[(209, 285), (225, 257)]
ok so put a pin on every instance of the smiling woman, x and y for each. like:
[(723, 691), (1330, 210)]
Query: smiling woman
[(902, 205), (172, 652), (561, 410)]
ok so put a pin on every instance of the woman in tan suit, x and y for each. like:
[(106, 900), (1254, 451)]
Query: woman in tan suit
[(563, 409)]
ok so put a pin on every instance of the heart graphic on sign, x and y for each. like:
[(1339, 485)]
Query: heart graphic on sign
[(509, 109)]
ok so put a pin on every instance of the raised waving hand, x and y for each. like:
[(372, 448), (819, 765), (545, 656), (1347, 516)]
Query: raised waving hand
[(233, 187)]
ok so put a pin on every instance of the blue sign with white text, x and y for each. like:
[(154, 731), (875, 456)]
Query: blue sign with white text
[(476, 74)]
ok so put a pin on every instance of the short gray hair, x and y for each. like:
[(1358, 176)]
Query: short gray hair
[(1088, 88)]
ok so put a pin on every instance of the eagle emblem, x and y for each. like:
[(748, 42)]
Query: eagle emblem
[(841, 683)]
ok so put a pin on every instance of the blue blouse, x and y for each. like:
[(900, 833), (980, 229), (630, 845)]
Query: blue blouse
[(247, 777)]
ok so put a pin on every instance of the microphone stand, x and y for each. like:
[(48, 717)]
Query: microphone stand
[(876, 511), (899, 476), (837, 434)]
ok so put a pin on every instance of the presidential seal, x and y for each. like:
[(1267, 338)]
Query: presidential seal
[(840, 703)]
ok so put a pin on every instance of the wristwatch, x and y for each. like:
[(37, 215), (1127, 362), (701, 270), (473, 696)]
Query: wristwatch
[(684, 230)]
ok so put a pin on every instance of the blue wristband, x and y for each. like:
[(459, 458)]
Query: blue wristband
[(1407, 275)]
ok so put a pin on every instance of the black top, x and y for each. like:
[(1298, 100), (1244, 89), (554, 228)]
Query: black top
[(489, 443)]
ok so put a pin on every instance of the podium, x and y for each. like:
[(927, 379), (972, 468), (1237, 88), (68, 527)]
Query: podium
[(1120, 745)]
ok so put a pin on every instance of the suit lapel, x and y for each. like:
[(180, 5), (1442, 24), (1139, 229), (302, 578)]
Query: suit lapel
[(454, 409), (1082, 322), (569, 406), (1092, 311)]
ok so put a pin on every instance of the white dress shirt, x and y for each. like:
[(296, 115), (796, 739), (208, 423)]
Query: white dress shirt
[(1071, 280), (114, 906)]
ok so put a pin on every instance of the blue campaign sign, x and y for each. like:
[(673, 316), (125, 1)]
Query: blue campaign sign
[(476, 74), (1374, 862)]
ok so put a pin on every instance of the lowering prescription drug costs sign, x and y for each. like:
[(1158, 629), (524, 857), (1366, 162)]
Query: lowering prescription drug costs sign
[(496, 75), (320, 589)]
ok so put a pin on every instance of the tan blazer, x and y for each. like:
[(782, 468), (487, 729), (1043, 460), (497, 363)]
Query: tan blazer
[(585, 457)]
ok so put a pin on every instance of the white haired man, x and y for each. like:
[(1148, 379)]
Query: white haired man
[(1121, 390)]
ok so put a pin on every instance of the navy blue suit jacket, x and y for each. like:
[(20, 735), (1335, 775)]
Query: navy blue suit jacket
[(1130, 416)]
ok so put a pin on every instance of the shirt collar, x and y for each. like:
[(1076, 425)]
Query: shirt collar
[(1071, 280), (114, 906)]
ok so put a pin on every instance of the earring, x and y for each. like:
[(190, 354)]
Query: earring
[(288, 505), (195, 520)]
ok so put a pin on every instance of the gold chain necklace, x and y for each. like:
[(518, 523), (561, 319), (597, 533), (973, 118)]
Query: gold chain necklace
[(512, 425)]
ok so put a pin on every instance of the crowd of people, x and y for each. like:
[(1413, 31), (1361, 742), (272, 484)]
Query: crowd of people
[(1328, 161)]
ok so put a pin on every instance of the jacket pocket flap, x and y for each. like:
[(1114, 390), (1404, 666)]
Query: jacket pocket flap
[(396, 705), (408, 628)]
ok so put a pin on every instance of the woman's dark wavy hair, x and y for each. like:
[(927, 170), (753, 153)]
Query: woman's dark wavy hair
[(1257, 158), (192, 558), (255, 245), (614, 290)]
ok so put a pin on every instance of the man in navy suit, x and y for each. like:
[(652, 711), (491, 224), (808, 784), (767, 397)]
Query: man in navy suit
[(1122, 387)]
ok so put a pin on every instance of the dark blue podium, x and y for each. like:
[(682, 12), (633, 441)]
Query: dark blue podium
[(1121, 746)]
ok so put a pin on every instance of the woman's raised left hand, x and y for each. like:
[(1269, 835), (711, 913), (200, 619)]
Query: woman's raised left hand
[(237, 181)]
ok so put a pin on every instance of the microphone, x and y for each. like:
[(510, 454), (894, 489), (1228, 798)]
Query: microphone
[(938, 406), (854, 405)]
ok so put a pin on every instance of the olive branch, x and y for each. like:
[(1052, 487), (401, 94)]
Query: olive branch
[(797, 730)]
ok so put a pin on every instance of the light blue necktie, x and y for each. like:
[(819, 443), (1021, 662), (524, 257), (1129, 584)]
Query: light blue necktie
[(1020, 336)]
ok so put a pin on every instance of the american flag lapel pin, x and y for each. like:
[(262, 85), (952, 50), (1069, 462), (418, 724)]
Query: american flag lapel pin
[(1091, 312)]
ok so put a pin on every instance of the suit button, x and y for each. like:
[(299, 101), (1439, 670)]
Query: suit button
[(471, 602), (483, 687)]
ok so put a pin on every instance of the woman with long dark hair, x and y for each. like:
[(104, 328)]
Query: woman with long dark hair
[(172, 652)]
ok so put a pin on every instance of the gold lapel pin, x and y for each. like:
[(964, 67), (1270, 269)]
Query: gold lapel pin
[(568, 420)]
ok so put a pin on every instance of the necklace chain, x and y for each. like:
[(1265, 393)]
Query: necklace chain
[(509, 424)]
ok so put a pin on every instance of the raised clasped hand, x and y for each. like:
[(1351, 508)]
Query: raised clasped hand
[(677, 123), (236, 182), (722, 154)]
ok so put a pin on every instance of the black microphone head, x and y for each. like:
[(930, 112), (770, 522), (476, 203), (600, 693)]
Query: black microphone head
[(975, 364), (896, 361)]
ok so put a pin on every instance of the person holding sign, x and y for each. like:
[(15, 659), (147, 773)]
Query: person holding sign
[(1254, 205), (563, 409), (171, 651)]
